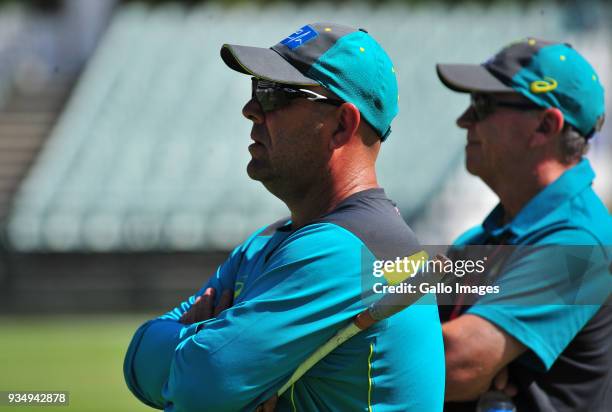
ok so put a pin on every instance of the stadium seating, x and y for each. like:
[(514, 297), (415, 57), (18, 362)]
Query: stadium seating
[(151, 150)]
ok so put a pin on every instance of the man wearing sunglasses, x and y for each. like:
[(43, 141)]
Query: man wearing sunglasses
[(534, 108), (321, 104)]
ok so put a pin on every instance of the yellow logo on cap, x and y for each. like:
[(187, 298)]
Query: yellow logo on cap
[(543, 86)]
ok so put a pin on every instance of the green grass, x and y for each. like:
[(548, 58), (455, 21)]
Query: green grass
[(79, 354)]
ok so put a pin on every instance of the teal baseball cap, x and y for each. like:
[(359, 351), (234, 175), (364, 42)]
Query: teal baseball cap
[(547, 73), (344, 60)]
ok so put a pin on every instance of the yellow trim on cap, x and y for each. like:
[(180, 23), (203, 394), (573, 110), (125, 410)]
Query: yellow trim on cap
[(562, 58), (257, 75), (328, 29), (246, 69), (531, 42), (361, 49)]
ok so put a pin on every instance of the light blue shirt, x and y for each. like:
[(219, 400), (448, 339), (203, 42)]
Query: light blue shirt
[(554, 286), (294, 290)]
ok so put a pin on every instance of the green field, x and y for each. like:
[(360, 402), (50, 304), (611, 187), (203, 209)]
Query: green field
[(79, 354)]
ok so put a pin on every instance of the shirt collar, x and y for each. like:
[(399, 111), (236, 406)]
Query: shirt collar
[(569, 184)]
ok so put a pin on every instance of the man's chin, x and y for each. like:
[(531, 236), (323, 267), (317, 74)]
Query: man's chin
[(473, 160), (472, 168), (257, 171)]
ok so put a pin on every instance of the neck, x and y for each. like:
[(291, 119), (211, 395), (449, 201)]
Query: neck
[(514, 197), (325, 196)]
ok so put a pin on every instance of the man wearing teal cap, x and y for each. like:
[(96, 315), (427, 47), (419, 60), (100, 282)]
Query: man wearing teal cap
[(534, 108), (322, 101)]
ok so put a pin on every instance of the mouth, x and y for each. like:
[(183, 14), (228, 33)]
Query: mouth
[(258, 134), (256, 148)]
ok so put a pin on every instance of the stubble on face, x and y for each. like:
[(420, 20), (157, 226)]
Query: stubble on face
[(289, 154), (497, 146)]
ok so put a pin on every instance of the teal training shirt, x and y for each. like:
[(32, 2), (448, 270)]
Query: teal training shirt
[(545, 301), (293, 291)]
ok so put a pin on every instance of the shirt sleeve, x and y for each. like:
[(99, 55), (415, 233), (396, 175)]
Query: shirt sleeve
[(147, 362), (309, 288), (548, 292)]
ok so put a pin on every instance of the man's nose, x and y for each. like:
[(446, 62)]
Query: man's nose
[(467, 119), (252, 111)]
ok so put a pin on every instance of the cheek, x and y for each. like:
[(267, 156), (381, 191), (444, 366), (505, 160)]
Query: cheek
[(494, 141), (296, 141), (284, 148)]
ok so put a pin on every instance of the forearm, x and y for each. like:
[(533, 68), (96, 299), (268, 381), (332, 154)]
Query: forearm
[(465, 384), (149, 356), (150, 353), (203, 377), (466, 376), (475, 351)]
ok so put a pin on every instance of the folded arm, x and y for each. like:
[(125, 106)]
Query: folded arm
[(310, 287), (150, 353), (476, 351), (242, 357), (547, 294)]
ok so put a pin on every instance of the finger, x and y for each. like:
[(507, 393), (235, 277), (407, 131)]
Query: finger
[(195, 311), (186, 318), (501, 380), (206, 305), (225, 302), (270, 404), (189, 316)]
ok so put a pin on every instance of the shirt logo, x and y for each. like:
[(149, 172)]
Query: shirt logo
[(300, 37), (543, 86), (238, 286)]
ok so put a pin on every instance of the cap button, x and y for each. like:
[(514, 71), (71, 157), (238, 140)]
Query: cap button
[(363, 30)]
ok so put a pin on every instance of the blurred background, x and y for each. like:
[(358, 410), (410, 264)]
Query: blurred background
[(123, 155)]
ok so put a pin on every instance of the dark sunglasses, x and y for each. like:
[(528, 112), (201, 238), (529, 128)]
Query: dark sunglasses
[(272, 96), (485, 104)]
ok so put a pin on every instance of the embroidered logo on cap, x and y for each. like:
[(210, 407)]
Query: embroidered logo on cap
[(543, 86), (301, 36)]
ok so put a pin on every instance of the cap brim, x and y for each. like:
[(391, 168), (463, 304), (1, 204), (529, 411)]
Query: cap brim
[(470, 78), (264, 64)]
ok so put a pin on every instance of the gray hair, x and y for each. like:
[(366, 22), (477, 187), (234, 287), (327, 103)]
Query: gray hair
[(572, 144)]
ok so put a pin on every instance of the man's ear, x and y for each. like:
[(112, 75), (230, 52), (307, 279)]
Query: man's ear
[(551, 124), (348, 118)]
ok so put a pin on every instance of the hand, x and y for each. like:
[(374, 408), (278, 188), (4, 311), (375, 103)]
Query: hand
[(268, 406), (501, 383), (204, 309)]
